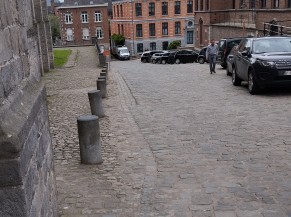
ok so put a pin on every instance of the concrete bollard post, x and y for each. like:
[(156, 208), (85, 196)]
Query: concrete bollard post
[(89, 139), (101, 85), (96, 103), (103, 77), (104, 70), (103, 74), (102, 61)]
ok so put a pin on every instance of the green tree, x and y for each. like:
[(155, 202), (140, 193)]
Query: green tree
[(174, 45), (55, 26), (118, 39)]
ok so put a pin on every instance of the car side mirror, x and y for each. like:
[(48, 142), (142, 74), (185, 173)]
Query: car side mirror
[(246, 53)]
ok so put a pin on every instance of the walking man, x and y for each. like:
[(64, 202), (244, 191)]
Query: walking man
[(211, 54)]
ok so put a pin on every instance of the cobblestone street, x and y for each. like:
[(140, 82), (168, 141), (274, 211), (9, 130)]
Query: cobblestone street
[(176, 142)]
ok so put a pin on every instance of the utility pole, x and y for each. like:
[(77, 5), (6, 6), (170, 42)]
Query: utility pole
[(132, 27)]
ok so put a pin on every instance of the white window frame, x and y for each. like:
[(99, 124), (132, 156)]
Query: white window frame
[(68, 18), (84, 17), (86, 34), (70, 37), (99, 33), (98, 16)]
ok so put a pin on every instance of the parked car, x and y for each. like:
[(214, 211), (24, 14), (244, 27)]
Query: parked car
[(164, 58), (156, 57), (224, 47), (202, 56), (146, 56), (263, 62), (229, 60), (183, 56)]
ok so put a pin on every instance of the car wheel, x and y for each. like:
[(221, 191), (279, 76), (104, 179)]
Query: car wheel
[(252, 84), (159, 61), (164, 62), (236, 81), (153, 61), (201, 60), (144, 60), (177, 61), (228, 73)]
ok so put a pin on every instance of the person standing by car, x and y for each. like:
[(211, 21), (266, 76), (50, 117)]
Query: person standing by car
[(211, 54)]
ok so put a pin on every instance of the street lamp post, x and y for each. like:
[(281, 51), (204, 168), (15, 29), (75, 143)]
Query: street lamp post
[(132, 27)]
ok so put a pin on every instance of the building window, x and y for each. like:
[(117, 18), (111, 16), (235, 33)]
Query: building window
[(151, 9), (139, 47), (122, 29), (164, 28), (70, 35), (164, 8), (201, 5), (153, 46), (289, 4), (138, 30), (263, 3), (121, 11), (152, 28), (189, 6), (84, 16), (68, 18), (99, 33), (138, 9), (276, 3), (177, 28), (196, 5), (252, 4), (118, 27), (117, 10), (98, 16), (207, 5), (177, 7), (86, 35)]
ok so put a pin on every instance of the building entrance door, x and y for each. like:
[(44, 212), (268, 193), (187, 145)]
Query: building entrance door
[(165, 45)]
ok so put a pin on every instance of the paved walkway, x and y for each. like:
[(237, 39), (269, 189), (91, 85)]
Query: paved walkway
[(113, 188)]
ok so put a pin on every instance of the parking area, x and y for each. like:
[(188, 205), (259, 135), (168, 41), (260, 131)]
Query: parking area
[(218, 151)]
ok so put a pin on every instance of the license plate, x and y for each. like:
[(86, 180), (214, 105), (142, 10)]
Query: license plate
[(287, 73)]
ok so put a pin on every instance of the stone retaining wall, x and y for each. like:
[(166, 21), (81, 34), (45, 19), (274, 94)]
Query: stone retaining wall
[(27, 182)]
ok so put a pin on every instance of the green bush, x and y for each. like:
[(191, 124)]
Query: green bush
[(118, 39), (174, 45)]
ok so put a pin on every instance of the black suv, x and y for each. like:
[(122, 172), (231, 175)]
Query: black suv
[(263, 62), (224, 47)]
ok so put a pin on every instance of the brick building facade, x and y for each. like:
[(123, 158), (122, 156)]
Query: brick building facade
[(153, 24), (230, 18), (82, 21)]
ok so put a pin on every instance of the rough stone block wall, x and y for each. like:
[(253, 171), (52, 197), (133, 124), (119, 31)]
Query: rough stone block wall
[(27, 182)]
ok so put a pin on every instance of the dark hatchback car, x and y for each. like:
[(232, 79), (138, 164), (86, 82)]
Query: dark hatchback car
[(263, 62), (183, 56), (147, 55), (224, 47)]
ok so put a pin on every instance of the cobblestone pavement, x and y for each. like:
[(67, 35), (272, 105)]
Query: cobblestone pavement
[(176, 141)]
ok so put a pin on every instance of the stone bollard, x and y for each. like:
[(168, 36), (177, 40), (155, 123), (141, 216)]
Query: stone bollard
[(103, 77), (89, 139), (101, 85), (104, 70), (103, 74), (96, 103), (102, 60)]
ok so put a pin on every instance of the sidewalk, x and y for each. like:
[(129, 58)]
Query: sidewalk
[(115, 188)]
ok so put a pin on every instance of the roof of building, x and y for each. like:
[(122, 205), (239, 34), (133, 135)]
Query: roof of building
[(83, 2)]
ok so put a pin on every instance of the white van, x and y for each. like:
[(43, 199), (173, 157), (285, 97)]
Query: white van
[(122, 53)]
